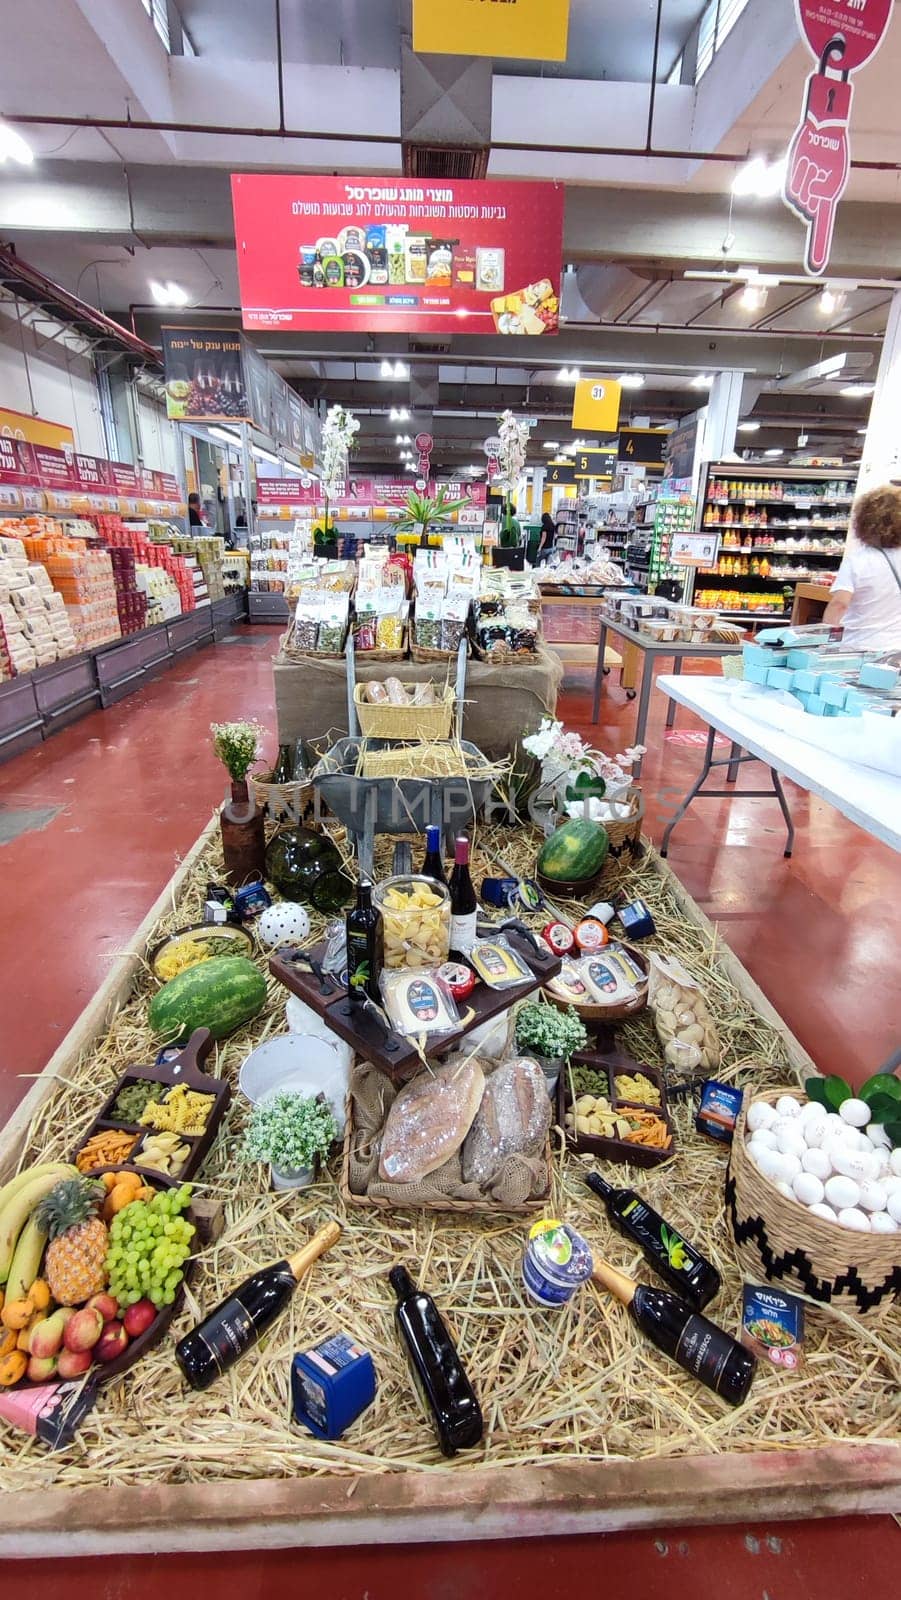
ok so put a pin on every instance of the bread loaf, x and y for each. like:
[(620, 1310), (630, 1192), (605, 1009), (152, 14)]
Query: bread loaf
[(513, 1119), (430, 1119)]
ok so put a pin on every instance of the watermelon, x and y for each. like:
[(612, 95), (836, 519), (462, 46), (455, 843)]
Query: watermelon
[(575, 852), (220, 995)]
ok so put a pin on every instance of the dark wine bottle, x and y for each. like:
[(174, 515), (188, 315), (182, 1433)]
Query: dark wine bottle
[(464, 905), (365, 947), (220, 1339), (437, 1370), (433, 865), (677, 1262), (283, 771), (700, 1347), (299, 769)]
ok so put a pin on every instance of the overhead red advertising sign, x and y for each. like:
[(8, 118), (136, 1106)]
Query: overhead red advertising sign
[(397, 256), (842, 36), (17, 463), (360, 491)]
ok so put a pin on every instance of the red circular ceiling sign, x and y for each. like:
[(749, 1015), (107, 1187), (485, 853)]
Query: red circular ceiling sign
[(424, 442), (853, 28)]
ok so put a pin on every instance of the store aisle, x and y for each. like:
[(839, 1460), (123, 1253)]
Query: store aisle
[(93, 823)]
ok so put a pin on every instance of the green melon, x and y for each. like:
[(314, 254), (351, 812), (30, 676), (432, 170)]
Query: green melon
[(220, 995), (574, 852)]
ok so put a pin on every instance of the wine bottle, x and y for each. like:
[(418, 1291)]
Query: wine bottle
[(671, 1255), (220, 1339), (464, 905), (283, 771), (365, 947), (433, 865), (704, 1350), (436, 1368)]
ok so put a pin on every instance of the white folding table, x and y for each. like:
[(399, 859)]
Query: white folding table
[(871, 799)]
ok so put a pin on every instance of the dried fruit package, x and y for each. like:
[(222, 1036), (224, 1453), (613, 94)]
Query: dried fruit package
[(684, 1025), (430, 1119), (513, 1119)]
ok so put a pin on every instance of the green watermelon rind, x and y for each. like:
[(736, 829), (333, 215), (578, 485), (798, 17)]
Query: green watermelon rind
[(222, 995), (575, 852)]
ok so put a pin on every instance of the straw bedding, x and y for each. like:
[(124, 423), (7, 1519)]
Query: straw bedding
[(578, 1384)]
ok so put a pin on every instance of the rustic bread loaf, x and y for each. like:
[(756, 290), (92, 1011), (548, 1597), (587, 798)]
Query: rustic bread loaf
[(430, 1119), (513, 1119)]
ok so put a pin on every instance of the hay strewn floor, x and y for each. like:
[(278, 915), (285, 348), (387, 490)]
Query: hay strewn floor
[(576, 1384)]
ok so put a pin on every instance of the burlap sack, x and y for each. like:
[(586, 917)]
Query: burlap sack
[(519, 1179)]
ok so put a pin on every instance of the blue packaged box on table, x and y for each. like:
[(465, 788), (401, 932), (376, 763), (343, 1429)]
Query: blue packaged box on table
[(331, 1385)]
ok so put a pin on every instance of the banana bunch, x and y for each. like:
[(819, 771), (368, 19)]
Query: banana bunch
[(21, 1240)]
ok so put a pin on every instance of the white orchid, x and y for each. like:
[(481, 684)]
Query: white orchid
[(338, 435), (513, 433)]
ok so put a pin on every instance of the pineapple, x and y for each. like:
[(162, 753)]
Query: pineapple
[(75, 1259)]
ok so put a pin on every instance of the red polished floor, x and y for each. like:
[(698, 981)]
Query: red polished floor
[(122, 795)]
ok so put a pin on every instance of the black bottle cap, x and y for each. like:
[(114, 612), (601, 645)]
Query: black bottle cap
[(401, 1282), (599, 1184)]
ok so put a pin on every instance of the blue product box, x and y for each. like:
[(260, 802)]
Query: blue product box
[(834, 694), (718, 1111), (780, 678), (879, 710), (802, 658), (331, 1385), (817, 707), (809, 682), (756, 673), (763, 658), (873, 676)]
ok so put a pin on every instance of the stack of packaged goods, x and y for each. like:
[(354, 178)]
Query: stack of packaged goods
[(84, 579), (236, 571), (161, 590), (34, 628), (210, 554), (16, 654), (131, 601)]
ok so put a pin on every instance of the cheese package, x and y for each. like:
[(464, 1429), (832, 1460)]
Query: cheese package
[(570, 985), (612, 976), (498, 964), (418, 1003)]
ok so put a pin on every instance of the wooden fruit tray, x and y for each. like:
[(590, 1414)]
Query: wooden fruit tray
[(392, 1053), (184, 1068), (611, 1063)]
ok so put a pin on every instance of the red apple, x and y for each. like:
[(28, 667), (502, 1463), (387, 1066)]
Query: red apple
[(41, 1368), (83, 1330), (105, 1304), (72, 1363), (138, 1318), (112, 1342)]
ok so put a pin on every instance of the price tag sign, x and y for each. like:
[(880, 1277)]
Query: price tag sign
[(694, 549)]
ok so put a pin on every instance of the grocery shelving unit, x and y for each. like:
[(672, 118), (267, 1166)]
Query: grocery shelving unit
[(791, 520)]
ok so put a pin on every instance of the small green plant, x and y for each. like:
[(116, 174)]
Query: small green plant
[(237, 744), (421, 511), (882, 1093), (549, 1032), (326, 533), (290, 1131), (510, 534)]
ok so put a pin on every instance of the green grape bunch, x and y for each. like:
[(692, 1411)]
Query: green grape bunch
[(149, 1244)]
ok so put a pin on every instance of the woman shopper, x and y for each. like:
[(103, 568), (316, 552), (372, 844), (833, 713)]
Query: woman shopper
[(866, 594), (546, 536)]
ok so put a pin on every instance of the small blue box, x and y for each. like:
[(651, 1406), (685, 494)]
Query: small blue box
[(807, 682), (331, 1385), (763, 658), (817, 707), (780, 678), (873, 676), (834, 694), (756, 672), (802, 658)]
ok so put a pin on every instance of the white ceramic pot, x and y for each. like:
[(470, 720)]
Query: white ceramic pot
[(296, 1063), (299, 1178)]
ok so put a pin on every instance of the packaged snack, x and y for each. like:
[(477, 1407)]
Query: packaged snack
[(365, 630), (376, 694), (390, 631), (684, 1024), (418, 1003), (356, 269), (417, 258), (333, 272), (429, 1120), (498, 964), (438, 268), (424, 694), (490, 270), (378, 255)]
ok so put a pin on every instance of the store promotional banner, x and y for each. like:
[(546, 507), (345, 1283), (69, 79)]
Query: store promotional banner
[(35, 430), (345, 255), (36, 466), (842, 36), (524, 30), (596, 403), (370, 492), (204, 375)]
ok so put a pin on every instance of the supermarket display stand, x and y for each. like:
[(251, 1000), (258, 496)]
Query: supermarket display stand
[(651, 650)]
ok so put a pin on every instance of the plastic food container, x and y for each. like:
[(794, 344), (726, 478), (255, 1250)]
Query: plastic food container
[(657, 619), (416, 935), (555, 1263), (695, 624)]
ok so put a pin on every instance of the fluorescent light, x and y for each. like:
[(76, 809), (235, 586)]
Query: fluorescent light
[(265, 455), (554, 446), (863, 430), (749, 427), (398, 414), (168, 294), (702, 381), (631, 380), (856, 391), (400, 371), (568, 375), (774, 452), (830, 301), (386, 370), (399, 438), (760, 179), (803, 441), (224, 436), (13, 146), (753, 297)]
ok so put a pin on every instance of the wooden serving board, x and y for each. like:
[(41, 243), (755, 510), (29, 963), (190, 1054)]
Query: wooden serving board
[(185, 1068), (392, 1053), (608, 1063)]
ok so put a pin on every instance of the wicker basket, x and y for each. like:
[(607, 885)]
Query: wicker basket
[(461, 1207), (593, 1011), (405, 722), (425, 654), (364, 656), (281, 800), (780, 1241), (292, 652), (624, 834)]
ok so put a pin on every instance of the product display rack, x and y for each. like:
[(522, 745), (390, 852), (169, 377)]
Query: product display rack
[(792, 521)]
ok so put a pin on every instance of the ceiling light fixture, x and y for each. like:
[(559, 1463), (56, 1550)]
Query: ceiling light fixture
[(387, 369), (753, 297), (760, 179), (398, 414), (553, 446), (863, 430), (856, 391), (830, 301), (702, 381), (224, 437), (749, 427), (631, 380), (401, 371), (803, 440), (168, 294), (13, 147), (568, 375), (774, 452)]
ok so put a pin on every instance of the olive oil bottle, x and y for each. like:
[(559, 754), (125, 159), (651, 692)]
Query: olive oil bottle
[(671, 1256)]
